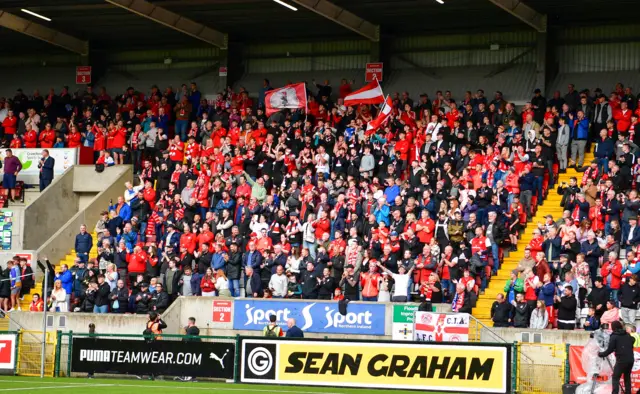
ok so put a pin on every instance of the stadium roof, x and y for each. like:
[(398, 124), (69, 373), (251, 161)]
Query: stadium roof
[(106, 26)]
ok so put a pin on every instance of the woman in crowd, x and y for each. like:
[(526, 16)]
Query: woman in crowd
[(59, 298)]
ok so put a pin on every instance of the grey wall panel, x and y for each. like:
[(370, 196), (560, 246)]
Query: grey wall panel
[(598, 57)]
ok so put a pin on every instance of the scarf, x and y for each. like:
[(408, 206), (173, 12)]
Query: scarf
[(458, 301)]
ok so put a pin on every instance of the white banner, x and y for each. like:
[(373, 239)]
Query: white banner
[(30, 174), (441, 327), (7, 351)]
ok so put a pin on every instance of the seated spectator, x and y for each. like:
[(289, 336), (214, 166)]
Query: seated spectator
[(37, 304)]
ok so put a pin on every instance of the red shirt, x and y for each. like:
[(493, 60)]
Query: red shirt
[(47, 138), (176, 152), (188, 241), (321, 226), (402, 147), (192, 151), (99, 143), (149, 195), (119, 138), (10, 124), (30, 139), (74, 140)]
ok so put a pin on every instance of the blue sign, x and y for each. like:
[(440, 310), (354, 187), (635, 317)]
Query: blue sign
[(320, 316)]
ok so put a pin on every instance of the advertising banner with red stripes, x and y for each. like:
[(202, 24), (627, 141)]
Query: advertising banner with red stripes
[(441, 327)]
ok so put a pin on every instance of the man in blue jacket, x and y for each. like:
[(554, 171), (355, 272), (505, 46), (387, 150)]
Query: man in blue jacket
[(579, 135), (83, 244), (66, 278), (604, 151)]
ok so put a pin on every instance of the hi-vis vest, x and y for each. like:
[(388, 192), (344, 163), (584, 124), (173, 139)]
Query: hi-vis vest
[(154, 327)]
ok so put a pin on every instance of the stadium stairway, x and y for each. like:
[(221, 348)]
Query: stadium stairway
[(551, 206), (69, 260)]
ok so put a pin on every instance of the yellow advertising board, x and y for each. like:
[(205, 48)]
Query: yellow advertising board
[(411, 366)]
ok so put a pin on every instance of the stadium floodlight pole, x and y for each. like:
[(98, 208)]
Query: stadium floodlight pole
[(43, 355)]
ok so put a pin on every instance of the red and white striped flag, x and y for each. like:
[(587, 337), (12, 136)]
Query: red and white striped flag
[(382, 118), (291, 96), (370, 94)]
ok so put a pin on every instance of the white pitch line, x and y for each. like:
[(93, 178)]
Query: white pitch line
[(53, 387), (177, 386)]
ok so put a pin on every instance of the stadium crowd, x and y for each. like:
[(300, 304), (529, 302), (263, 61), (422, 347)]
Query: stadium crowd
[(310, 204)]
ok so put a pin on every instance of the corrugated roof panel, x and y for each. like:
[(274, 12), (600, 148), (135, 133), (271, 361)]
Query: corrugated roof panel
[(599, 57), (462, 58), (517, 38)]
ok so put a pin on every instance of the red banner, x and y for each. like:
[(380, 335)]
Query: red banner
[(578, 375)]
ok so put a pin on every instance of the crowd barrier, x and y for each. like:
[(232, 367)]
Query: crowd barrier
[(376, 363)]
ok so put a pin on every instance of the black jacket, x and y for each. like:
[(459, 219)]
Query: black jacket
[(621, 344), (598, 296), (159, 301), (142, 305), (122, 297), (521, 315), (327, 286), (102, 295), (629, 295), (501, 312), (567, 308), (309, 282), (234, 266)]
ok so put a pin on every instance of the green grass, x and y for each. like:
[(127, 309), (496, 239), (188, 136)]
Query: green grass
[(18, 384)]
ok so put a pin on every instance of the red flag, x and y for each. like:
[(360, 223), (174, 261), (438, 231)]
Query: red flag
[(381, 119), (370, 94), (291, 96)]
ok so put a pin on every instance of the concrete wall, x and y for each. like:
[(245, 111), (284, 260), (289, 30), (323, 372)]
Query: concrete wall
[(87, 180), (176, 318), (45, 215), (61, 242), (84, 199), (557, 337)]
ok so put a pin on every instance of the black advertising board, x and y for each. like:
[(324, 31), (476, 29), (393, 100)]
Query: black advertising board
[(160, 357)]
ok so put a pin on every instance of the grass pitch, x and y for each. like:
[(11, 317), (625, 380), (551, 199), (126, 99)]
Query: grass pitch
[(22, 384)]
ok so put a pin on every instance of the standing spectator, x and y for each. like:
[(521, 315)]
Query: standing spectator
[(539, 317), (12, 166), (521, 312), (66, 278), (278, 283), (119, 298), (501, 311), (629, 298), (15, 280), (370, 283), (566, 306), (83, 244), (514, 286), (101, 304), (58, 298), (208, 283), (46, 165)]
